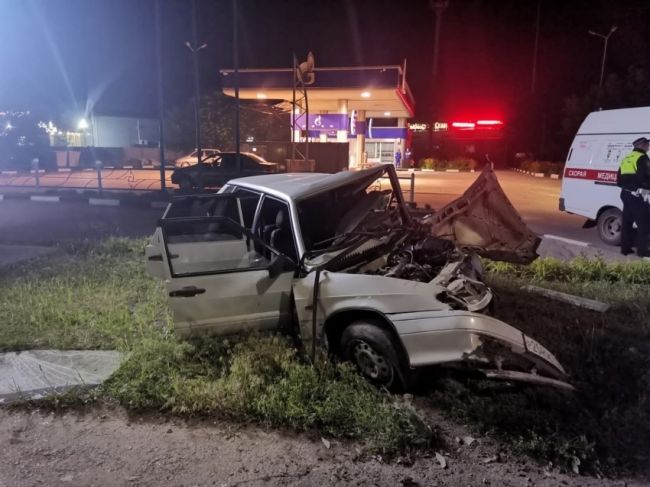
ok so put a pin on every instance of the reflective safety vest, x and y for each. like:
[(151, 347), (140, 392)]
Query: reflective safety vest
[(628, 164)]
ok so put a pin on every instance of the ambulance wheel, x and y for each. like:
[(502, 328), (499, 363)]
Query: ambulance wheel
[(610, 223)]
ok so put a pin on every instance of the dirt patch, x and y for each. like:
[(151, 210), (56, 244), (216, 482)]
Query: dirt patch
[(109, 447)]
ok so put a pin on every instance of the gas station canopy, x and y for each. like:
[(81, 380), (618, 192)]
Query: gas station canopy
[(380, 91)]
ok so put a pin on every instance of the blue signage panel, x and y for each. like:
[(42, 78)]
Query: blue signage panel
[(324, 122)]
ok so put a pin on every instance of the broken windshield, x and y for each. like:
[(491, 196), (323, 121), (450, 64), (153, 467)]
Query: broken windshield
[(362, 208)]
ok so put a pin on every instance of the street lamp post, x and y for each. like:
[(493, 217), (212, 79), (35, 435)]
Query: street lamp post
[(602, 66), (438, 7), (197, 92), (161, 105)]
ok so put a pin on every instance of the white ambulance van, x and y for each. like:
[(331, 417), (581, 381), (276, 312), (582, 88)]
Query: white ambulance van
[(589, 184)]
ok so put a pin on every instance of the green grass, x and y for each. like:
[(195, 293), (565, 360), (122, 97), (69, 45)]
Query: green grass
[(579, 270), (261, 380), (605, 425), (97, 295), (89, 296)]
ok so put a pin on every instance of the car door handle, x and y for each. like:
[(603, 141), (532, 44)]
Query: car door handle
[(187, 292)]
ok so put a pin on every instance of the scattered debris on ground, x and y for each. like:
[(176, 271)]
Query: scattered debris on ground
[(111, 447)]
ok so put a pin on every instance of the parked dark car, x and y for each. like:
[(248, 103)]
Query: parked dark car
[(217, 170)]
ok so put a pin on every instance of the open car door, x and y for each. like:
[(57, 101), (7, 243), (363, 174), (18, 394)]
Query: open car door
[(484, 220), (218, 281)]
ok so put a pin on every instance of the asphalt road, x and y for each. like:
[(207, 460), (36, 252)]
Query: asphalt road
[(37, 223), (536, 199), (49, 223)]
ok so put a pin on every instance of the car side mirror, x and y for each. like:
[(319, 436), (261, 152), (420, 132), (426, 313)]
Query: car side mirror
[(279, 264)]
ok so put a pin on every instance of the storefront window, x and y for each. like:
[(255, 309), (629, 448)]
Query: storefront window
[(387, 153), (380, 151)]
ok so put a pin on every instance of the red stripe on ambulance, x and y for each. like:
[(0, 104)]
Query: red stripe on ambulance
[(592, 174)]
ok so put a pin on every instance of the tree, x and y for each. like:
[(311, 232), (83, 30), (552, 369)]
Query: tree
[(631, 91), (260, 121)]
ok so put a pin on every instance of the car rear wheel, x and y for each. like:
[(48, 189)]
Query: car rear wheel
[(371, 349), (610, 223)]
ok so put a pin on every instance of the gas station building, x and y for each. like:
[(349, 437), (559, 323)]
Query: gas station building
[(366, 107)]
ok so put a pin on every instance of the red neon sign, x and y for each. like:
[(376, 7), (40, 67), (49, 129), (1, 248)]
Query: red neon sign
[(478, 125), (463, 125), (489, 122)]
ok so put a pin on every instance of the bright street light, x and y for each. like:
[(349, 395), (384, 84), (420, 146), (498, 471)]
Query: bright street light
[(83, 124), (193, 49)]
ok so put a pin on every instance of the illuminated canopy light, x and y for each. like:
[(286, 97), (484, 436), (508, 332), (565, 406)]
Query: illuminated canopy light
[(83, 124), (261, 96), (365, 94), (386, 114)]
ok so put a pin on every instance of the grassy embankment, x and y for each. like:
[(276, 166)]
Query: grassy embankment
[(99, 296)]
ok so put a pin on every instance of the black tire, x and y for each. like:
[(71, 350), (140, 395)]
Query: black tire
[(371, 349), (610, 223)]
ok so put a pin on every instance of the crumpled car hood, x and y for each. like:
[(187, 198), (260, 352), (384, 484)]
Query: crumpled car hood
[(484, 220)]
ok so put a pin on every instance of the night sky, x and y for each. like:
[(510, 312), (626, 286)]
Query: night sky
[(55, 55)]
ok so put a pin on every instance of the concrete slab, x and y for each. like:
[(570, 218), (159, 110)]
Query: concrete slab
[(35, 374), (12, 254), (567, 249)]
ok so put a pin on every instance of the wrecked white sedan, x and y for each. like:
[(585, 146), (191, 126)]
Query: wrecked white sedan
[(341, 262)]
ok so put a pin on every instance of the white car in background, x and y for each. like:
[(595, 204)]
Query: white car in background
[(340, 262), (192, 158)]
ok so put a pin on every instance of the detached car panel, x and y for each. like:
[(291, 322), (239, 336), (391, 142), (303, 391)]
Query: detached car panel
[(341, 261)]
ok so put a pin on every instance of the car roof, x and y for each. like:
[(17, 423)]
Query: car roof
[(620, 121), (252, 155), (299, 185)]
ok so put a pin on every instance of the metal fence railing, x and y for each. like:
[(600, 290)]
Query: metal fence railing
[(411, 190), (97, 179), (123, 179)]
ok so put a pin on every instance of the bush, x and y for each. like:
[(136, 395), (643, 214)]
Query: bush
[(427, 163), (460, 163), (545, 167), (578, 270)]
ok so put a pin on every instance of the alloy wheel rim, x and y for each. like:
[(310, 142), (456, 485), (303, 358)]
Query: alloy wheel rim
[(371, 363), (612, 226)]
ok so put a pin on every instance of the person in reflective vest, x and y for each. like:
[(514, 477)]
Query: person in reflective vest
[(634, 179)]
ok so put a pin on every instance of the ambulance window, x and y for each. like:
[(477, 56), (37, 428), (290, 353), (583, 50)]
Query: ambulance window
[(613, 152), (583, 153)]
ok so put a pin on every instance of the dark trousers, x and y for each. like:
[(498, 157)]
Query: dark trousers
[(635, 210)]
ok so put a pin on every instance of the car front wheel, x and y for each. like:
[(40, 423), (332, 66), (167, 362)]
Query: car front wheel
[(373, 353)]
